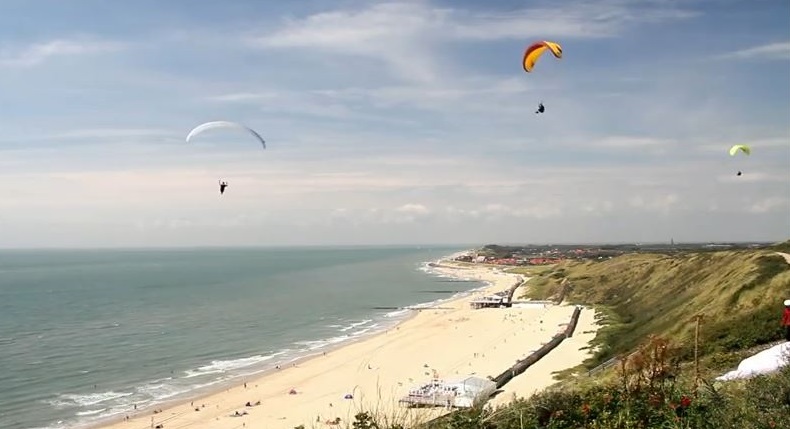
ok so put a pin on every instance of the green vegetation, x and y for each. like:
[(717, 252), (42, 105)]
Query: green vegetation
[(782, 247), (740, 294), (647, 304), (648, 393)]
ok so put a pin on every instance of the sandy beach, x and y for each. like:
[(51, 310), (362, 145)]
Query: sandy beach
[(451, 342)]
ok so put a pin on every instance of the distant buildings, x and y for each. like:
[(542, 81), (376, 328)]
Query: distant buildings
[(555, 253), (515, 256)]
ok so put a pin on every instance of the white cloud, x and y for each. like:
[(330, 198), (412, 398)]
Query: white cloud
[(769, 51), (37, 53), (597, 207), (414, 209), (637, 142), (245, 97), (494, 212), (656, 203), (473, 94), (770, 204), (406, 36), (104, 133)]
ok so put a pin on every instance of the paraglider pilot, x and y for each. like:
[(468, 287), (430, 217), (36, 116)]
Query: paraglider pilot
[(786, 319), (222, 186), (541, 109)]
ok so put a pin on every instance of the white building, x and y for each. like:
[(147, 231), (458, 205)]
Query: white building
[(460, 393), (488, 301)]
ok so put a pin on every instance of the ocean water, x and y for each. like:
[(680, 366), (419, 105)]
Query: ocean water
[(85, 335)]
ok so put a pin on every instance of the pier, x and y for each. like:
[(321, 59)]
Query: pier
[(498, 299)]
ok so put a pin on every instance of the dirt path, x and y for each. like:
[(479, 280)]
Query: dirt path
[(785, 255)]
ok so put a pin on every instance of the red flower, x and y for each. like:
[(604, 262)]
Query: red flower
[(685, 401)]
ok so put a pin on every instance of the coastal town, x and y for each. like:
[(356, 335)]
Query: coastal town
[(553, 254)]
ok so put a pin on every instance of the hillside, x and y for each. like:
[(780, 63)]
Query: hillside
[(740, 294)]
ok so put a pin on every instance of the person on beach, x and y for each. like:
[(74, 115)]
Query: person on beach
[(786, 319), (222, 186)]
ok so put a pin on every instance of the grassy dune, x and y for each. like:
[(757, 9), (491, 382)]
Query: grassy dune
[(740, 294)]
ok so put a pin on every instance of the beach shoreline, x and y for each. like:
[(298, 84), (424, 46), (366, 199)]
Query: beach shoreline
[(435, 268), (369, 364)]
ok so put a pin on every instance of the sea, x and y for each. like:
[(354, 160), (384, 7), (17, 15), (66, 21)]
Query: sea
[(85, 335)]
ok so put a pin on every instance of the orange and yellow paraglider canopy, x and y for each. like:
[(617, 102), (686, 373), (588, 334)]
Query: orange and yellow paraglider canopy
[(535, 50)]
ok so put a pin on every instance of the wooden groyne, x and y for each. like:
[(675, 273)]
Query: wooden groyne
[(574, 320), (525, 363), (512, 291), (565, 288)]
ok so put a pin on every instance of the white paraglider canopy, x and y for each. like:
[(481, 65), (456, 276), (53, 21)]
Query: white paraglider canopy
[(224, 124)]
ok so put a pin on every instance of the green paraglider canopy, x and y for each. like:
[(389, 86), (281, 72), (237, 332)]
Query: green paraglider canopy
[(740, 147)]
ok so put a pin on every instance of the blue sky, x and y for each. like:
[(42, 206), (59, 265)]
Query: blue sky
[(392, 122)]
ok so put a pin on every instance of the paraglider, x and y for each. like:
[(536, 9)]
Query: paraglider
[(535, 50), (740, 148), (533, 53), (224, 124)]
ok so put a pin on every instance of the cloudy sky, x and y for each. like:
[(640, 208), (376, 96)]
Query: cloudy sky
[(389, 123)]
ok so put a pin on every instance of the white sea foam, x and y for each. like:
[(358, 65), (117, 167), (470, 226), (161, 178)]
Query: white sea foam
[(222, 366), (86, 400), (91, 412)]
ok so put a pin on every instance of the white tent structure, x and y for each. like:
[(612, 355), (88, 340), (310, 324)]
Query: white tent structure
[(462, 392), (471, 390)]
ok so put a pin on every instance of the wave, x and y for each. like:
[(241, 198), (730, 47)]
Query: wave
[(91, 412), (85, 400), (223, 366)]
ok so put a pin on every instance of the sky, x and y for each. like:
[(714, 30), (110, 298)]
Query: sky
[(406, 122)]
